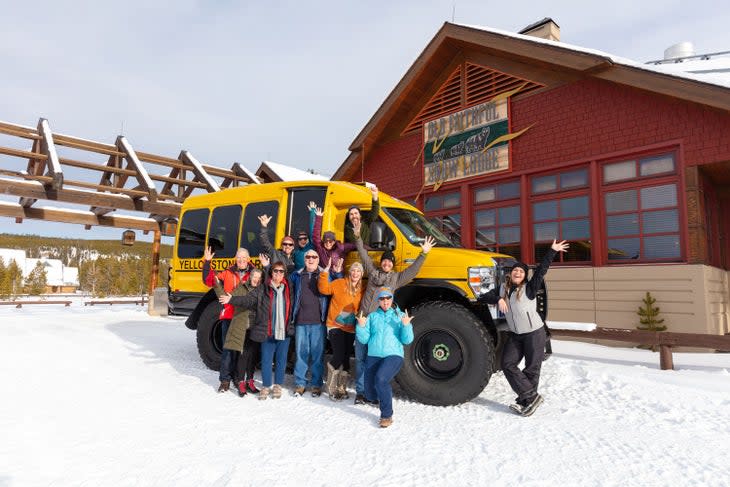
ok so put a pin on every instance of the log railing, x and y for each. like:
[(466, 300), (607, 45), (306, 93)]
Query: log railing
[(662, 339)]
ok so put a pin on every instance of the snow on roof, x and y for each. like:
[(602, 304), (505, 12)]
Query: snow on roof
[(54, 270), (718, 79), (288, 173), (13, 254)]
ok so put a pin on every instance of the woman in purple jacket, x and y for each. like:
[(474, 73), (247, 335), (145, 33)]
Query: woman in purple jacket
[(328, 247)]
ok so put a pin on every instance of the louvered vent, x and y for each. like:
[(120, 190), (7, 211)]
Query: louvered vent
[(447, 99), (482, 84)]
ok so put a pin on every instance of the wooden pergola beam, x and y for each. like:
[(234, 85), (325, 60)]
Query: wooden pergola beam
[(35, 167), (63, 215), (33, 189), (133, 161), (199, 171), (244, 174), (53, 165)]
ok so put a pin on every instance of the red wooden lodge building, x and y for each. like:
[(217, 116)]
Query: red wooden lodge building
[(510, 140)]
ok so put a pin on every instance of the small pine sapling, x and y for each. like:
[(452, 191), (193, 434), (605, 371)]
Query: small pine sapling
[(648, 315)]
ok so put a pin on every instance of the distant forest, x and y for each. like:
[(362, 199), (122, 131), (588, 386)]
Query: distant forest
[(106, 267)]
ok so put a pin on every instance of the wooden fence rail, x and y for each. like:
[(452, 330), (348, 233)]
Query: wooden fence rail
[(140, 301), (662, 339), (19, 304)]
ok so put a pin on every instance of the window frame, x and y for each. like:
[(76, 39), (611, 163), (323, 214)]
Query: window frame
[(496, 204), (636, 184), (558, 196)]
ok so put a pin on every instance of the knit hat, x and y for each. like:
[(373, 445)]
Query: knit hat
[(521, 265), (357, 265), (384, 292), (328, 236), (389, 256)]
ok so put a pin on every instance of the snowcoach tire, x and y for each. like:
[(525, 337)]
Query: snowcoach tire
[(208, 336), (451, 358)]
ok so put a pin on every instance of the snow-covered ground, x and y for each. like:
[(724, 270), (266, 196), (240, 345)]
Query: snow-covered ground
[(111, 396)]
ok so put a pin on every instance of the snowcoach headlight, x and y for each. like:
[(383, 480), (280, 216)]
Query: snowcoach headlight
[(481, 279)]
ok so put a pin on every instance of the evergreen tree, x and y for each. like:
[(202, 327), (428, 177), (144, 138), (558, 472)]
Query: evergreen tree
[(4, 281), (36, 281), (14, 277), (648, 315)]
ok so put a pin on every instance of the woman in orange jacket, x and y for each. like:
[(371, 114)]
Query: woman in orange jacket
[(346, 295)]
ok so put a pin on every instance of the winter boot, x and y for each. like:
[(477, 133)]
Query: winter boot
[(264, 394), (225, 386), (331, 384), (241, 389), (532, 406), (342, 379), (276, 391), (251, 387)]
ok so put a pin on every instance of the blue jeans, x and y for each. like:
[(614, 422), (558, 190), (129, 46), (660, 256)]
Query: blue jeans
[(379, 371), (273, 351), (361, 352), (309, 342), (228, 357)]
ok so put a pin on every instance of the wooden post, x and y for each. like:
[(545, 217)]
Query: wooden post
[(665, 357), (155, 272)]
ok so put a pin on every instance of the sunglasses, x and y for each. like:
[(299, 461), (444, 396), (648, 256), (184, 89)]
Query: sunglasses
[(287, 244), (277, 271), (303, 238), (329, 241), (385, 297), (311, 257)]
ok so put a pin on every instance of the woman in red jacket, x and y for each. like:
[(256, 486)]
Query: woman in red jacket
[(231, 278)]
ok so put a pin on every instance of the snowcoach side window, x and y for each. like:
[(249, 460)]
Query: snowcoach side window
[(223, 234), (252, 226), (191, 240)]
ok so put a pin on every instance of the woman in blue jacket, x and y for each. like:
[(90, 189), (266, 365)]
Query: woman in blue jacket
[(384, 331)]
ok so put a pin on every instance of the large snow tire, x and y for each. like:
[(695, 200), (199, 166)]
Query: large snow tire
[(451, 358), (210, 342)]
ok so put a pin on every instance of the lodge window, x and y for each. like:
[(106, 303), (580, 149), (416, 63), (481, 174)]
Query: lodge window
[(444, 211), (641, 219), (565, 217), (497, 218)]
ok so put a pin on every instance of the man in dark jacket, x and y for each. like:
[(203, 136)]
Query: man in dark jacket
[(273, 327), (309, 316)]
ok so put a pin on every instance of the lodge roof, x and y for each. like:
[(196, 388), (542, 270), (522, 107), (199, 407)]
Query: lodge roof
[(534, 58)]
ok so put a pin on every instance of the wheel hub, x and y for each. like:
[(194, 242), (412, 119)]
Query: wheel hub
[(438, 354)]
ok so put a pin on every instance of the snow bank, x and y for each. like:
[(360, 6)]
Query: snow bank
[(571, 325), (112, 396)]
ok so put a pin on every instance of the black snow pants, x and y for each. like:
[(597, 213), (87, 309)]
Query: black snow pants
[(531, 346)]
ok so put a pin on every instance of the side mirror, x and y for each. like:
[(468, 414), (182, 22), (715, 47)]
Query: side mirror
[(381, 237)]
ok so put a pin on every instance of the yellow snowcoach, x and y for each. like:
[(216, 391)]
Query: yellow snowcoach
[(456, 343)]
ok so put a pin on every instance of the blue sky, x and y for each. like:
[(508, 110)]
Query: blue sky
[(292, 82)]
